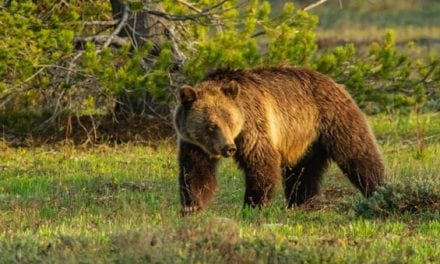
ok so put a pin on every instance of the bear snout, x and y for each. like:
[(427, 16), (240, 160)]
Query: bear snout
[(229, 150)]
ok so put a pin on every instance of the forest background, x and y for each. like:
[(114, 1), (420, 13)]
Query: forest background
[(80, 69)]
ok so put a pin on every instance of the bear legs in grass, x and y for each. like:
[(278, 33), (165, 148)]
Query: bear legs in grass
[(352, 146), (366, 173), (262, 168), (301, 182), (197, 178), (197, 181)]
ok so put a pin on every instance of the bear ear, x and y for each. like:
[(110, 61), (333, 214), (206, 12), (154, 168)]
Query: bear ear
[(187, 94), (231, 89)]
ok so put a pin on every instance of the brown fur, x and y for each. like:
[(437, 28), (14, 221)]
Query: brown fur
[(280, 121)]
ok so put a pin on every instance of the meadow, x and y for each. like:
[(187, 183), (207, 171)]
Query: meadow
[(119, 203), (367, 20)]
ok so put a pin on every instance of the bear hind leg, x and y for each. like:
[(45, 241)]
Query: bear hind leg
[(302, 181), (366, 173), (359, 158)]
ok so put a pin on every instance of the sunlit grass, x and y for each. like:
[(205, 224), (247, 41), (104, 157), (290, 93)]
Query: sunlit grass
[(366, 21), (120, 204)]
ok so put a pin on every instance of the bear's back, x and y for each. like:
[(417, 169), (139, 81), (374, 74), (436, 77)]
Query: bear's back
[(279, 107)]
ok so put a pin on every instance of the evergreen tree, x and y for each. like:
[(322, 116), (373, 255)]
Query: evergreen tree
[(76, 58)]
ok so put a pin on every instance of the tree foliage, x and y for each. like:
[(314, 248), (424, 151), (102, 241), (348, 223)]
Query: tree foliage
[(385, 79), (61, 58)]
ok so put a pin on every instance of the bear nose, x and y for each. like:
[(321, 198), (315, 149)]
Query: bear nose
[(229, 150)]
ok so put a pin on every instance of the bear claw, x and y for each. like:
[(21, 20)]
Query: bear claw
[(189, 210)]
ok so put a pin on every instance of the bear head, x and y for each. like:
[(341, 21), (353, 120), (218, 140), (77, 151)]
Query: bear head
[(208, 116)]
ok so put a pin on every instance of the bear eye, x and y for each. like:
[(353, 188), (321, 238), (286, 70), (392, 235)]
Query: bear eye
[(212, 127)]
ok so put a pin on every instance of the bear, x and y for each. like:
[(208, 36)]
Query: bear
[(278, 123)]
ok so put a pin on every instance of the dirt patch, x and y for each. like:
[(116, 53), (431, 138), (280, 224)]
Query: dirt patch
[(328, 199), (92, 130), (134, 129)]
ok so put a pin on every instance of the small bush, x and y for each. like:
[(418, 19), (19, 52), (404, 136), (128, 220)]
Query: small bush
[(417, 198)]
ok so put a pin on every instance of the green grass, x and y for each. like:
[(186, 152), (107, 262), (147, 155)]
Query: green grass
[(120, 204), (368, 20), (383, 13)]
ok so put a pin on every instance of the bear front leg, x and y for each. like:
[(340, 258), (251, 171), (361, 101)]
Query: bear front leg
[(262, 171), (197, 177)]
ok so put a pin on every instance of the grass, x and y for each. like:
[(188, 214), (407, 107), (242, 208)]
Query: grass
[(120, 204), (360, 21)]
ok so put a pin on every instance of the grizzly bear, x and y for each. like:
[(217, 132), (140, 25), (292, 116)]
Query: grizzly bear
[(273, 121)]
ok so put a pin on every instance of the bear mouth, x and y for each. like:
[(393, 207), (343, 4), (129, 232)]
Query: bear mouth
[(227, 155), (212, 153)]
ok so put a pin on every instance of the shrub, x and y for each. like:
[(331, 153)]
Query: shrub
[(409, 197), (45, 71), (386, 79)]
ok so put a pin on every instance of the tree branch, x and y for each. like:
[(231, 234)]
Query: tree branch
[(214, 6), (7, 3), (190, 6), (101, 39), (306, 8), (311, 6), (206, 13), (119, 27), (171, 17), (101, 23)]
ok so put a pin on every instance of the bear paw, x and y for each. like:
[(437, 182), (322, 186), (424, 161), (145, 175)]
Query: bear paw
[(189, 210)]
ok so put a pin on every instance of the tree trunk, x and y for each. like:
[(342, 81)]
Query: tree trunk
[(141, 27)]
